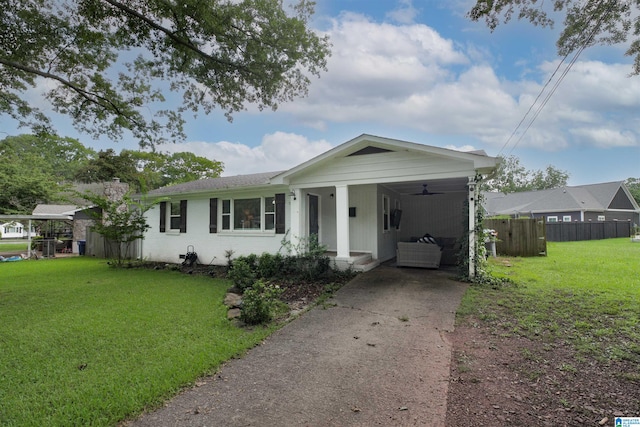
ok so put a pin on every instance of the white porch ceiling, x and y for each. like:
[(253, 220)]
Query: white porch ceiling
[(446, 186)]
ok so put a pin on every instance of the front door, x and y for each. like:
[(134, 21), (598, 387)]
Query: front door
[(314, 226)]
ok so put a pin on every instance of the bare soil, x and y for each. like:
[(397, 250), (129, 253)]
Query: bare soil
[(514, 381)]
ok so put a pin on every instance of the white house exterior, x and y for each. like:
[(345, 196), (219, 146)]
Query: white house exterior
[(359, 198), (14, 230)]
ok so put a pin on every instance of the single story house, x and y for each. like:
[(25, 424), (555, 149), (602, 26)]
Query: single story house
[(13, 230), (360, 199), (609, 201)]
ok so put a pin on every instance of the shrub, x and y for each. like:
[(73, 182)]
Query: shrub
[(259, 303), (241, 274), (270, 266)]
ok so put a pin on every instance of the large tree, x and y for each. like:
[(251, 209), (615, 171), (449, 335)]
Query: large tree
[(586, 22), (512, 177), (61, 156), (633, 184), (110, 65)]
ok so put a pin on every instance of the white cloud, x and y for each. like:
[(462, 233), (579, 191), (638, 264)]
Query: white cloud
[(411, 77), (607, 138), (277, 151), (405, 13)]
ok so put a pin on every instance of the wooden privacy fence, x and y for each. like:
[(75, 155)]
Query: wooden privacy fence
[(98, 247), (574, 231), (519, 237)]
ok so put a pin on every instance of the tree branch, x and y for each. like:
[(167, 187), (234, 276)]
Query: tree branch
[(185, 43), (91, 97)]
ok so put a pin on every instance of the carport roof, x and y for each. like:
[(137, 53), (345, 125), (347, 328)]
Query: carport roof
[(19, 217)]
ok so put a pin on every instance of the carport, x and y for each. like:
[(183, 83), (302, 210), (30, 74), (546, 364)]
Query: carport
[(30, 219)]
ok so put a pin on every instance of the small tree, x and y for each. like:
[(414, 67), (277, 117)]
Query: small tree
[(121, 222)]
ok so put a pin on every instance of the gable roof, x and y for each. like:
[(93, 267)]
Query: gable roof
[(368, 144), (221, 183), (592, 197)]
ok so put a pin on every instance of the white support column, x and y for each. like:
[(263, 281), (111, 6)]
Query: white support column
[(29, 240), (342, 221), (297, 224), (472, 226)]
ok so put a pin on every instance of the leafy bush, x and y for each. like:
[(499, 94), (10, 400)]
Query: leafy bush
[(270, 266), (241, 274), (259, 303)]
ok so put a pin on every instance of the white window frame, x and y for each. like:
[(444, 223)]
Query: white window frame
[(227, 215), (601, 218), (566, 218), (172, 215), (552, 218)]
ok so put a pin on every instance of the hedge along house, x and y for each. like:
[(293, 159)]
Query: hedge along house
[(359, 199)]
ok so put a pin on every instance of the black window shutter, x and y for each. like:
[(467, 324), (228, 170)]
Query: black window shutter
[(183, 216), (281, 214), (213, 215), (163, 216)]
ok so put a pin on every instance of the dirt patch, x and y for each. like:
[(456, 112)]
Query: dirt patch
[(514, 381)]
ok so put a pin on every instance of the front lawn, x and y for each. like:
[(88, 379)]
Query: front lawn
[(85, 344), (585, 292), (558, 346)]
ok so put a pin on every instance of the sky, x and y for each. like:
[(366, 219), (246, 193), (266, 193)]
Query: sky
[(420, 71)]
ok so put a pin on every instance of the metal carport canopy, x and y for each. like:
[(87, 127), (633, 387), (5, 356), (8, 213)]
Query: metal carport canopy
[(30, 218)]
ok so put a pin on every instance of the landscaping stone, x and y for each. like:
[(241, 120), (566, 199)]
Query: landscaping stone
[(234, 313), (233, 300)]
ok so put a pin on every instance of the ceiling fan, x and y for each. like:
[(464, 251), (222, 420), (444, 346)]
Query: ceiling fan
[(425, 192)]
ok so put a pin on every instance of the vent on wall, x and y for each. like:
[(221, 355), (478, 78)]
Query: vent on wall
[(370, 150)]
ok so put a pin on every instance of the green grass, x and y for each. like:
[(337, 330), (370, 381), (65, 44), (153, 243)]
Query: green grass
[(85, 344), (583, 293), (13, 246)]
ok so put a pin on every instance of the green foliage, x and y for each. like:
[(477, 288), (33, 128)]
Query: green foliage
[(512, 177), (270, 266), (121, 222), (109, 64), (242, 273), (585, 23), (59, 156), (633, 184), (88, 345), (307, 258), (26, 181), (259, 303)]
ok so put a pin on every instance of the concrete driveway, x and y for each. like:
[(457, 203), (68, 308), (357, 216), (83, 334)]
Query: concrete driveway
[(376, 354)]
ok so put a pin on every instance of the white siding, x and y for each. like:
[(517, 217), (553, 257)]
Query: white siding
[(211, 247), (439, 215), (383, 167)]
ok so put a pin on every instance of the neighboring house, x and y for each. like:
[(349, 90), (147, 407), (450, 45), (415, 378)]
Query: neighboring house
[(609, 201), (359, 198), (14, 230)]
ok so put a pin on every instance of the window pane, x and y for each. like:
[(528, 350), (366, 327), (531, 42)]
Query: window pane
[(269, 204), (225, 222), (246, 214), (226, 206), (269, 221), (175, 222), (175, 209)]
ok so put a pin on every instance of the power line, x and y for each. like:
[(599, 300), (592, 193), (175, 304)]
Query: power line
[(583, 46)]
